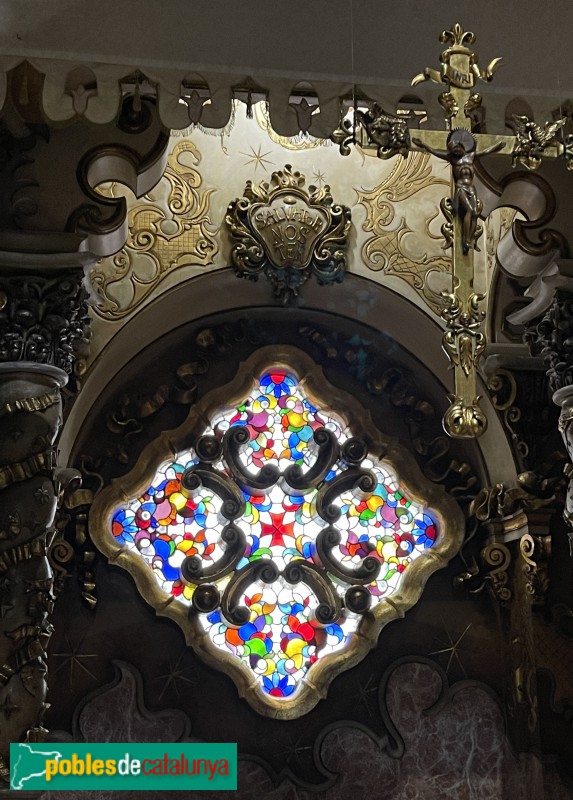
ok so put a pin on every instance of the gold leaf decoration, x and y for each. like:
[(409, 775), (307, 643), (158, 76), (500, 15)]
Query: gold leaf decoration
[(498, 224), (160, 239), (301, 141), (385, 250)]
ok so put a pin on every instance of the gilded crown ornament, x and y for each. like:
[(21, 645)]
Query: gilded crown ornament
[(287, 233)]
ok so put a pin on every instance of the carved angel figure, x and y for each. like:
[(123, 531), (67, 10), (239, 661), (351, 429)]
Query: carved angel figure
[(531, 140)]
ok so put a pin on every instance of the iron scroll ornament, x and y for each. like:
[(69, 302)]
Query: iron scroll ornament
[(287, 232), (281, 602)]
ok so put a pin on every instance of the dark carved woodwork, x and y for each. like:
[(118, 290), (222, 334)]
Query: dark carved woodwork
[(513, 567), (46, 210), (552, 338), (44, 318), (31, 488)]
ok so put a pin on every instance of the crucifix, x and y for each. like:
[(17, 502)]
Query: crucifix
[(463, 339)]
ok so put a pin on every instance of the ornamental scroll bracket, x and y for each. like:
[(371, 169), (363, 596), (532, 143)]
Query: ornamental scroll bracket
[(287, 233), (513, 566), (281, 536), (515, 522)]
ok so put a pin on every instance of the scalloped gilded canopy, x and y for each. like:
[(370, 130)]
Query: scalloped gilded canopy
[(279, 529)]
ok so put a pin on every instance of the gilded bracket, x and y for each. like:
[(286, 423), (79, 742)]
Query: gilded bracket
[(377, 128), (533, 141), (520, 514)]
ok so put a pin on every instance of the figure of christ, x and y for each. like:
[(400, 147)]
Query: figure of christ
[(461, 152)]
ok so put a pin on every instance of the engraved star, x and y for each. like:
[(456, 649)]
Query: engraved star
[(319, 178), (452, 647), (5, 583), (5, 608), (293, 749), (7, 708), (15, 432), (73, 659), (175, 676), (364, 692), (257, 158)]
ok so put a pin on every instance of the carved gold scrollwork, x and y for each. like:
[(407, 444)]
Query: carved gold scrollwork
[(497, 556), (447, 208), (464, 420), (527, 550), (532, 140), (160, 239), (503, 388), (463, 340), (393, 249), (508, 513)]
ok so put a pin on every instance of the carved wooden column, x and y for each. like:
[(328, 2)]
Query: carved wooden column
[(514, 569), (54, 224), (43, 324), (552, 338)]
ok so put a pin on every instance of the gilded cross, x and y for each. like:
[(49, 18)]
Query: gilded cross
[(463, 339)]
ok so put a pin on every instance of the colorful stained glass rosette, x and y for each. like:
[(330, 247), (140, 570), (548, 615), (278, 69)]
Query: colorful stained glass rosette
[(321, 532)]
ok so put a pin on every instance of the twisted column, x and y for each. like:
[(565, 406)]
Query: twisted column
[(42, 326), (552, 338), (513, 567)]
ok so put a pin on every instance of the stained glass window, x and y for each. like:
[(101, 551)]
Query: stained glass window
[(279, 531)]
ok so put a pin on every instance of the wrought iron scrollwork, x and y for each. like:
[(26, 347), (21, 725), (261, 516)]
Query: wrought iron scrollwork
[(193, 571), (264, 571), (329, 607), (209, 450), (327, 455), (367, 571), (234, 441), (197, 476), (359, 480)]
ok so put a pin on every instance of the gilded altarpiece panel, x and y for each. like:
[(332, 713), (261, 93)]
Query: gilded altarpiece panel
[(177, 231)]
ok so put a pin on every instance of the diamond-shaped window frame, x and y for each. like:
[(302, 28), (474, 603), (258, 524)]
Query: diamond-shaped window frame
[(323, 395)]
